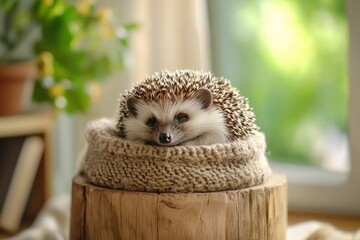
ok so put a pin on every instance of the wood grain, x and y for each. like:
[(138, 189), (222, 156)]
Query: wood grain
[(253, 213)]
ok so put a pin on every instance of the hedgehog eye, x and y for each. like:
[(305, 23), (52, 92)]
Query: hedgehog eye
[(182, 117), (151, 122)]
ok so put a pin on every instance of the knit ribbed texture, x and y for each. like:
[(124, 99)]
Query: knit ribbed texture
[(120, 164)]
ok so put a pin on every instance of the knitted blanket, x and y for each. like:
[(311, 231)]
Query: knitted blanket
[(110, 161)]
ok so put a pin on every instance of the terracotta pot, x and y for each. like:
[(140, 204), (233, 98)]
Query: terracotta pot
[(14, 83)]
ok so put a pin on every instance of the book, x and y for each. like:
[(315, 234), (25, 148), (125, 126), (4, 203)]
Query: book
[(9, 152), (21, 181)]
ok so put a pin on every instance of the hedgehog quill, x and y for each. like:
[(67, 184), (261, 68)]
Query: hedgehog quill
[(184, 108)]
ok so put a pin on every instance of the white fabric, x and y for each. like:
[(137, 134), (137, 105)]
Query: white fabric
[(52, 223), (314, 230)]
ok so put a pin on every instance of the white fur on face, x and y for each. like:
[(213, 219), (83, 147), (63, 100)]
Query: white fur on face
[(204, 126)]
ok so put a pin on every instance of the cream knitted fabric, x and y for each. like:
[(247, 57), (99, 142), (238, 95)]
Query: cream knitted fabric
[(119, 164)]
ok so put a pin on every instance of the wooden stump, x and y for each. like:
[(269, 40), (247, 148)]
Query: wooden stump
[(253, 213)]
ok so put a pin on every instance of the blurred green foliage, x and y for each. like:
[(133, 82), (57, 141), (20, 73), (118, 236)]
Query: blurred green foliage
[(293, 67), (76, 46)]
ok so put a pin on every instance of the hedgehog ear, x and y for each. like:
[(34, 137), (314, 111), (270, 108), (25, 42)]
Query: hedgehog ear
[(204, 96), (131, 105)]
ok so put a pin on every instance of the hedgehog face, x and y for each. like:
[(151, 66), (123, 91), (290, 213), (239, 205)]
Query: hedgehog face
[(167, 123)]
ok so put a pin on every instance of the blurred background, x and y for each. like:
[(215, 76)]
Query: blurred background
[(290, 58)]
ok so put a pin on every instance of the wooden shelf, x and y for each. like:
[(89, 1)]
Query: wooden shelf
[(28, 124)]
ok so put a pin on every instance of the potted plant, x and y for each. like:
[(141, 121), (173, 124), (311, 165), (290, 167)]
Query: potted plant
[(15, 70), (72, 45)]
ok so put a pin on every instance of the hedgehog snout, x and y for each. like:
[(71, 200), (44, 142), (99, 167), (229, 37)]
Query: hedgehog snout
[(165, 138)]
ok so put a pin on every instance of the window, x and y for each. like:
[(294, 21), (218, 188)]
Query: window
[(290, 59)]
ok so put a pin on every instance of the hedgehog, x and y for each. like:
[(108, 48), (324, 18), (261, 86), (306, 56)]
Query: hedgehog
[(184, 107)]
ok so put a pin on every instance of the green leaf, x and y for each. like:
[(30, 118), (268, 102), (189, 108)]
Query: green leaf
[(131, 26), (3, 3), (124, 42), (22, 19), (40, 94), (101, 67), (57, 34), (78, 99), (9, 6)]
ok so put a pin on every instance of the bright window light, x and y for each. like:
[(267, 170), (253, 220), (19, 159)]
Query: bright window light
[(291, 62)]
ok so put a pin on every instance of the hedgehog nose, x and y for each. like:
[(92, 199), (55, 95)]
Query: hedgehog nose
[(165, 138)]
